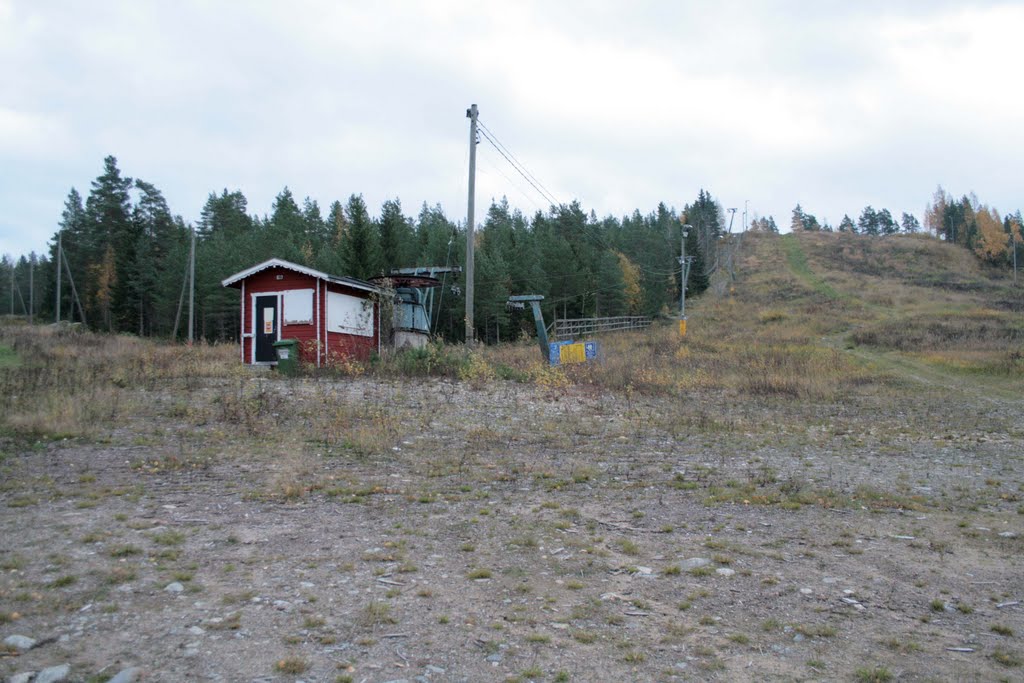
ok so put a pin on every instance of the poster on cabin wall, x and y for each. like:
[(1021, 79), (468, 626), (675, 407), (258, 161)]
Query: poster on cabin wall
[(349, 314)]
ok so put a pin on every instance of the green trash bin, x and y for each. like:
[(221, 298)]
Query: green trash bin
[(287, 356)]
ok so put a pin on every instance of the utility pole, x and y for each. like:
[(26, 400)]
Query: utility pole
[(74, 293), (192, 289), (31, 289), (60, 256), (12, 285), (472, 113), (684, 264)]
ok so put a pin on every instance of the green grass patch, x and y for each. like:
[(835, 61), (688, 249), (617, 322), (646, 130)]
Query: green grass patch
[(797, 261), (9, 358)]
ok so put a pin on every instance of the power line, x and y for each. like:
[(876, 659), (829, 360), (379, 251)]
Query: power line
[(493, 139), (526, 196), (520, 171), (548, 196)]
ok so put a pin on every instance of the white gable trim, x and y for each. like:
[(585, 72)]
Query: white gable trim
[(288, 265)]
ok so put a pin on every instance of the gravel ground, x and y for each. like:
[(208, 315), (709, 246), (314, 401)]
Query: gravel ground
[(451, 532)]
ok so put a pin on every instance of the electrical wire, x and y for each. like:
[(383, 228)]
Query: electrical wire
[(507, 153), (537, 185), (520, 171)]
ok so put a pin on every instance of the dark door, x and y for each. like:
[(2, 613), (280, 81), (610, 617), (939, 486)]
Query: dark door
[(266, 328)]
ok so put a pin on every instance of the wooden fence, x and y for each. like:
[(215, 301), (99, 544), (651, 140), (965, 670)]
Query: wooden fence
[(579, 328)]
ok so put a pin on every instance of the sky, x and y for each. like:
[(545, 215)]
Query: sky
[(834, 105)]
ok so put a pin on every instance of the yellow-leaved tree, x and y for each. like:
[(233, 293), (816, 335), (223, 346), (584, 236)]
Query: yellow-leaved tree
[(993, 242), (105, 278), (631, 276)]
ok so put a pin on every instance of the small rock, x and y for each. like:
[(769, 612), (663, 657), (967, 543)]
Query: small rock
[(53, 674), (695, 563), (174, 587), (129, 675), (725, 571), (282, 605), (805, 591), (434, 669), (196, 630), (20, 643), (646, 571), (1008, 534), (611, 596), (23, 677), (798, 637), (495, 658)]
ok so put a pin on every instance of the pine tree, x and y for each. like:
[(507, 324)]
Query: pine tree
[(868, 221), (360, 252), (910, 223), (396, 236), (797, 222), (110, 244), (158, 233), (846, 225), (886, 224)]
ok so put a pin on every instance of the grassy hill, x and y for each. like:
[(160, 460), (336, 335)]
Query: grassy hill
[(819, 315)]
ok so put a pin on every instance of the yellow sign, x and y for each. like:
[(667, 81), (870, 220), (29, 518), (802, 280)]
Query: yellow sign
[(682, 327), (572, 353)]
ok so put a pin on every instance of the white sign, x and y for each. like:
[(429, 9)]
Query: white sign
[(349, 314), (298, 307), (268, 321)]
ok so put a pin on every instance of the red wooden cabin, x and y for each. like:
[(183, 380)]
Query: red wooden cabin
[(332, 317)]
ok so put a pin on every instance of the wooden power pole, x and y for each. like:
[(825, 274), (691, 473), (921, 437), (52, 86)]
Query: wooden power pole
[(60, 257), (472, 113), (192, 289)]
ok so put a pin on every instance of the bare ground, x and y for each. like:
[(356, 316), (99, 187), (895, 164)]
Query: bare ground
[(511, 532)]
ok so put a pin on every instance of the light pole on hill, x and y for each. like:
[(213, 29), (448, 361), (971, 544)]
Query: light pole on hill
[(684, 265)]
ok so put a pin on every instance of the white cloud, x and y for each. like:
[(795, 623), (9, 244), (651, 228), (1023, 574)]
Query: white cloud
[(835, 105)]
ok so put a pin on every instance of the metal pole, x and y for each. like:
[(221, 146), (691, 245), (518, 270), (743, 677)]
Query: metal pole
[(684, 271), (192, 290), (682, 276), (1014, 236), (472, 114), (12, 286), (60, 255), (31, 289)]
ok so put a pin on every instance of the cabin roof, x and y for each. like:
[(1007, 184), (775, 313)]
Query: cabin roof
[(235, 279)]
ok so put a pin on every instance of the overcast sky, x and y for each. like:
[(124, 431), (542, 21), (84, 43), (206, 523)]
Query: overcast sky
[(835, 105)]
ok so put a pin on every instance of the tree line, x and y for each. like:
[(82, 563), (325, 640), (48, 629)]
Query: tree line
[(127, 254)]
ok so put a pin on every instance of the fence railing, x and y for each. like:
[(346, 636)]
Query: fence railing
[(584, 327)]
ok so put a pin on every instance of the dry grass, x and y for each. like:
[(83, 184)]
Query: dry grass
[(68, 381)]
